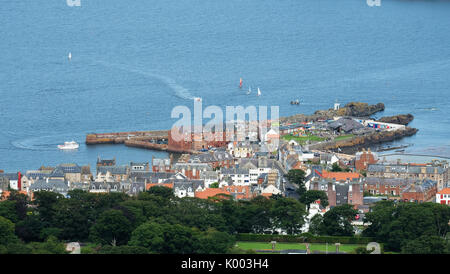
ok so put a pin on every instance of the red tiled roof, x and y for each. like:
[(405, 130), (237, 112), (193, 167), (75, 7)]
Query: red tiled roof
[(444, 191), (210, 192), (339, 176), (148, 186)]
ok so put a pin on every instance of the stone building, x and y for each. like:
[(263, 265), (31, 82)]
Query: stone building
[(438, 173)]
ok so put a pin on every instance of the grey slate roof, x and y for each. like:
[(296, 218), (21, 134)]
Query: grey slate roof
[(233, 171), (114, 170), (50, 185), (69, 168)]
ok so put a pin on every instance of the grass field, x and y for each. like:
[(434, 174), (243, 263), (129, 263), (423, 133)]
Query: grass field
[(343, 137), (302, 140), (281, 246)]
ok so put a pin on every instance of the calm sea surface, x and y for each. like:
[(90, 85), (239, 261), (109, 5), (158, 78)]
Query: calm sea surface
[(133, 61)]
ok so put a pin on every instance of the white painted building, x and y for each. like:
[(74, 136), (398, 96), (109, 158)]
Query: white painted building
[(443, 196)]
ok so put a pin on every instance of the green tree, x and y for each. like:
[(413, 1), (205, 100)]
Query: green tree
[(7, 235), (297, 176), (74, 218), (162, 191), (397, 224), (21, 203), (213, 242), (124, 249), (46, 201), (337, 221), (288, 214), (50, 246), (214, 185), (311, 196), (30, 228), (336, 168), (426, 244), (111, 227), (8, 210), (149, 235), (315, 223), (164, 238)]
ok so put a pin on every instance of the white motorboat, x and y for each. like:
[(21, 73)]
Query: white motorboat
[(69, 145)]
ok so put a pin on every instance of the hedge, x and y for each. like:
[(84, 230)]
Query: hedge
[(305, 237)]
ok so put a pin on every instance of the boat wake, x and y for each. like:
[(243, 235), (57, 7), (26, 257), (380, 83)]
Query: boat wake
[(180, 91), (42, 143)]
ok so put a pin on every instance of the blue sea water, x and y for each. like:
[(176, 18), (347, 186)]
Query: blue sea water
[(133, 61)]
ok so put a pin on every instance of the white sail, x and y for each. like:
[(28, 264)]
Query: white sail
[(259, 92), (70, 55), (249, 90)]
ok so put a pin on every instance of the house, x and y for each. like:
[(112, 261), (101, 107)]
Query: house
[(338, 176), (187, 188), (340, 193), (13, 179), (191, 170), (238, 176), (443, 196), (106, 162), (438, 173), (162, 165), (328, 158), (57, 186), (345, 125), (210, 192), (144, 166), (364, 159), (4, 183), (314, 209), (215, 158), (85, 186), (209, 177), (260, 165), (419, 192), (86, 174), (112, 173), (71, 172), (385, 186), (239, 192), (241, 149), (136, 188)]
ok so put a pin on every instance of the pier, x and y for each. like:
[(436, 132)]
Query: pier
[(152, 140), (121, 137)]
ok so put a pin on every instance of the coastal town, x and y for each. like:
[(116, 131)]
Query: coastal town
[(256, 167)]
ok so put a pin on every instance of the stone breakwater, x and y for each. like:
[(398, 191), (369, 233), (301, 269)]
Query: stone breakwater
[(121, 137), (355, 144)]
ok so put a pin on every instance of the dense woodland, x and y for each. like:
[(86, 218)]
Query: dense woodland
[(158, 222)]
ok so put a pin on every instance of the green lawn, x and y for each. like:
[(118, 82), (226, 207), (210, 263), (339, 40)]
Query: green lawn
[(281, 246), (343, 137), (302, 140)]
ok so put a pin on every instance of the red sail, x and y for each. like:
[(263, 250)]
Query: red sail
[(240, 83)]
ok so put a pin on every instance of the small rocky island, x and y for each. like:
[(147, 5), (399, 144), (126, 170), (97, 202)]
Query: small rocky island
[(359, 137)]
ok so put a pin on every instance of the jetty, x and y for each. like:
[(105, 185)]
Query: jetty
[(121, 137), (152, 140)]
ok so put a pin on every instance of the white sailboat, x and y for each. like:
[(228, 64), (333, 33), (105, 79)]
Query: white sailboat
[(259, 92), (70, 56), (249, 90)]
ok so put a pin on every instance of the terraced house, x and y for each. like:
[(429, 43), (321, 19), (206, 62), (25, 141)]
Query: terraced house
[(438, 173)]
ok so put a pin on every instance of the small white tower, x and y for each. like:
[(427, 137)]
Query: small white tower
[(337, 105)]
